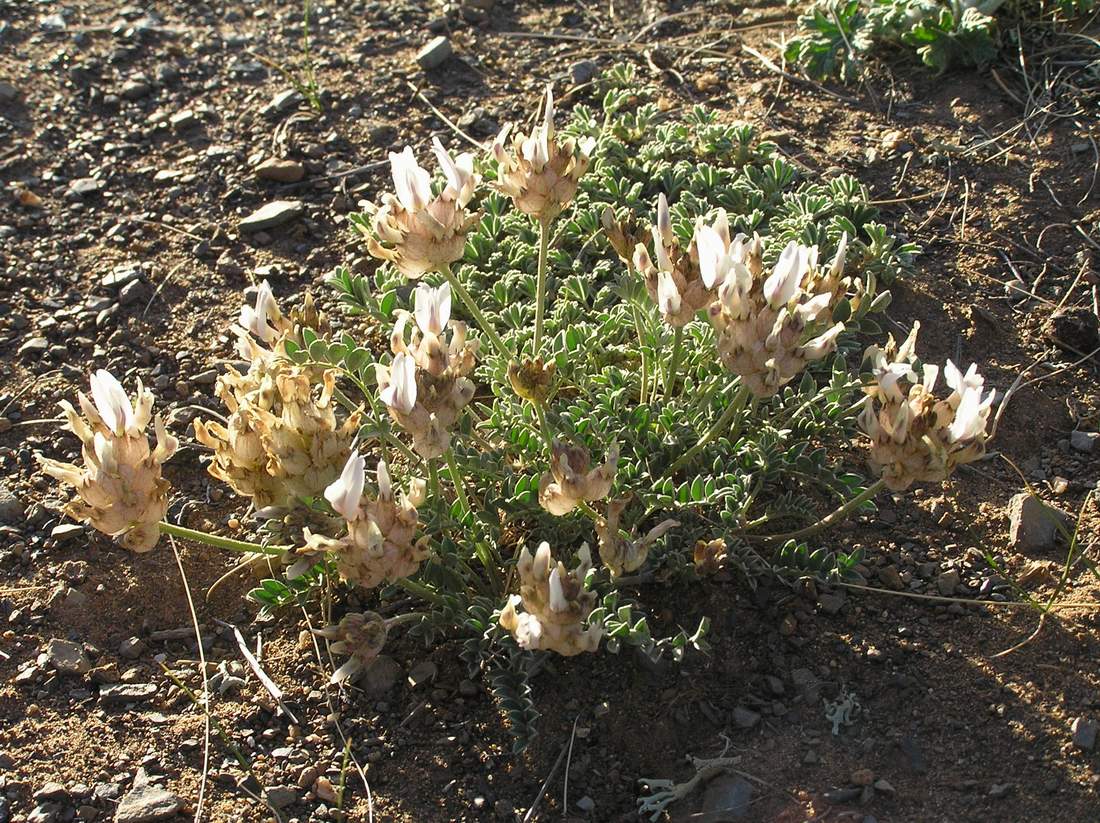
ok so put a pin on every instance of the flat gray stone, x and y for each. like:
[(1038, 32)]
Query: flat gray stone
[(281, 170), (12, 512), (745, 718), (281, 796), (272, 215), (34, 347), (284, 100), (1084, 441), (1033, 525), (120, 275), (434, 53), (727, 798), (67, 657), (146, 803), (119, 694)]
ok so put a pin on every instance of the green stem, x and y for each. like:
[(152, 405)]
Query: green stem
[(721, 424), (433, 480), (482, 321), (540, 291), (456, 478), (227, 543), (827, 521), (420, 590), (641, 351), (674, 362), (544, 427)]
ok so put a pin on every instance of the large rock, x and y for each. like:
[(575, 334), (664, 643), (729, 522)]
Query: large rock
[(727, 798), (1033, 525), (67, 657)]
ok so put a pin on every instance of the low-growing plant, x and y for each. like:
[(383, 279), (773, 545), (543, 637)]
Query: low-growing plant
[(835, 37), (663, 313)]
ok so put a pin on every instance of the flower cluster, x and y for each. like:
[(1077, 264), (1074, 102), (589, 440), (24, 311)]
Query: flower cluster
[(419, 232), (120, 490), (763, 323), (281, 441), (362, 635), (620, 551), (572, 479), (555, 602), (916, 436), (380, 544), (676, 283), (427, 385), (540, 174)]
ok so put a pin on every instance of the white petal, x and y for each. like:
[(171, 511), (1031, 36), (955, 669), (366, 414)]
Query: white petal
[(712, 250), (931, 373), (111, 401), (663, 261), (837, 267), (385, 485), (344, 493), (400, 394), (664, 219), (668, 296), (783, 283), (968, 422), (412, 184), (432, 308), (558, 603)]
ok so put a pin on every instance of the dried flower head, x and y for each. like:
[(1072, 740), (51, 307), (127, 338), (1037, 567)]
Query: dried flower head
[(263, 321), (763, 324), (620, 551), (676, 283), (427, 385), (540, 174), (281, 441), (120, 489), (573, 479), (532, 380), (361, 635), (380, 544), (914, 435), (555, 604), (412, 229), (624, 235), (709, 556)]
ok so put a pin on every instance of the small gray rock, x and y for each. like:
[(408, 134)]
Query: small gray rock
[(745, 718), (281, 796), (121, 693), (284, 100), (8, 92), (146, 803), (1084, 733), (272, 215), (1084, 441), (51, 791), (67, 657), (583, 70), (120, 275), (435, 53), (12, 512), (727, 798), (947, 582), (131, 648), (34, 347), (85, 186), (422, 673), (184, 119), (1033, 525), (586, 804), (381, 676)]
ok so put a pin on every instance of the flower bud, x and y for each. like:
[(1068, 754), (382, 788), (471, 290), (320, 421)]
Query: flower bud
[(532, 380), (619, 551), (361, 635), (572, 479)]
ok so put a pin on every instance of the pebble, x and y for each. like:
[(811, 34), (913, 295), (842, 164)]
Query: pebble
[(272, 215), (381, 676), (34, 347), (12, 512), (1083, 441), (146, 803), (422, 673), (1084, 733), (284, 100), (120, 275), (435, 53), (281, 796), (122, 693), (947, 582), (131, 648), (51, 791), (583, 70), (726, 798), (183, 119), (1033, 525), (863, 777), (891, 578), (67, 657), (745, 718), (586, 804), (8, 92), (281, 170)]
